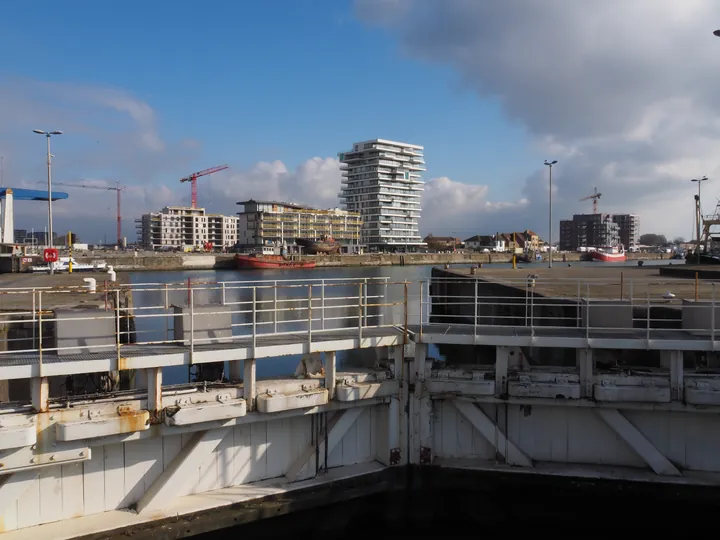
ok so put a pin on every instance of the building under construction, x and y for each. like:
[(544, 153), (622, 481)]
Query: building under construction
[(597, 230), (184, 227), (264, 222)]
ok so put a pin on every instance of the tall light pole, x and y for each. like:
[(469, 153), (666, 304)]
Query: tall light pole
[(698, 217), (550, 165), (48, 134)]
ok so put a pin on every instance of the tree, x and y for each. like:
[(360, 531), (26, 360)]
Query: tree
[(678, 240), (651, 239)]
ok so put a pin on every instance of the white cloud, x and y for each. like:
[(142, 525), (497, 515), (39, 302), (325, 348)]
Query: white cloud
[(624, 94)]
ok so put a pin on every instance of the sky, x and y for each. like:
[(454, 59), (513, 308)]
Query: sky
[(625, 95)]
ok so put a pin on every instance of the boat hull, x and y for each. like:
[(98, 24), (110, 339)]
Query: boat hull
[(602, 256), (245, 262), (313, 247)]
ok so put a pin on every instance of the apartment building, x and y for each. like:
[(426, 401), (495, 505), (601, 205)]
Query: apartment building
[(263, 222), (629, 228), (589, 230), (382, 181), (186, 228)]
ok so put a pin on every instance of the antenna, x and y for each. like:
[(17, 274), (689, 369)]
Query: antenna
[(2, 171)]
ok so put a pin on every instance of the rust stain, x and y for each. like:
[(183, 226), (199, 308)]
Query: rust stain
[(122, 364), (132, 420)]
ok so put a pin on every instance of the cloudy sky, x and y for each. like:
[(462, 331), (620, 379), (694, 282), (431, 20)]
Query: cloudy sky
[(624, 94)]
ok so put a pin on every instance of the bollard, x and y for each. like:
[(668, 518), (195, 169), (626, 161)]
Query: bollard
[(91, 284), (111, 274)]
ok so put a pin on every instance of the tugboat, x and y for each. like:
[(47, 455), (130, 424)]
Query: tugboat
[(260, 261), (609, 254)]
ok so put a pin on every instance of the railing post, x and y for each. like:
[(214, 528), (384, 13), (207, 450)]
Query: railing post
[(475, 318), (405, 323), (40, 334), (191, 298), (647, 335), (712, 318), (167, 319), (322, 305), (117, 326), (275, 308), (422, 312), (388, 303), (360, 312), (309, 297), (223, 293), (34, 318), (587, 314), (579, 306), (254, 319), (365, 314)]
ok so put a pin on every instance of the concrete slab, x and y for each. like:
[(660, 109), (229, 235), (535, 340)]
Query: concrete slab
[(601, 282)]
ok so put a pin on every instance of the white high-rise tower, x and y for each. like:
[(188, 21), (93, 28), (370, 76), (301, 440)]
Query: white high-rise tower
[(383, 181)]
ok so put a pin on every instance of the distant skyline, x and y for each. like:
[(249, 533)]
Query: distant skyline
[(276, 89)]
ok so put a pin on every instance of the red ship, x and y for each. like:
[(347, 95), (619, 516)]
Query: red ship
[(258, 261), (609, 254)]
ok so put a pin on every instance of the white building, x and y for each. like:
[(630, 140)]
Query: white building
[(186, 228), (263, 222), (383, 182)]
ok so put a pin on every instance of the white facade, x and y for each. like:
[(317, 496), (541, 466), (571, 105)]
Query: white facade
[(186, 227), (382, 180)]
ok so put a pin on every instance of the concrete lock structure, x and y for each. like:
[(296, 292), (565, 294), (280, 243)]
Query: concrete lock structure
[(477, 373)]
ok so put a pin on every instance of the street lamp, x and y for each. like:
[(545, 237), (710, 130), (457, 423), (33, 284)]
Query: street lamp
[(550, 165), (47, 135), (716, 33), (699, 215)]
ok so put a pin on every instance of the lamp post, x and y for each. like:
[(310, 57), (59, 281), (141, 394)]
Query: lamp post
[(550, 166), (47, 135), (698, 217)]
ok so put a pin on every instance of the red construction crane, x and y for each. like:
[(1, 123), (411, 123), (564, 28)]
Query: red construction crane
[(117, 189), (595, 197), (193, 180)]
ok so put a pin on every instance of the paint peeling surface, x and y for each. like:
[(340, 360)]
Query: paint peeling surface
[(127, 421)]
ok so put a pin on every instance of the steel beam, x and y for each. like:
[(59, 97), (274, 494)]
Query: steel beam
[(177, 474), (492, 434), (638, 442)]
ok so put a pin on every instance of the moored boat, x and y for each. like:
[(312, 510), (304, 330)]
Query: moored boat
[(324, 245), (609, 254), (63, 265), (259, 261)]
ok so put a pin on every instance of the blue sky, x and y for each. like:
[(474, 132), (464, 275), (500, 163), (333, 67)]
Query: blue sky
[(148, 92), (261, 81)]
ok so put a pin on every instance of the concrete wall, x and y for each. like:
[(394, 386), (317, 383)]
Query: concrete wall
[(199, 261)]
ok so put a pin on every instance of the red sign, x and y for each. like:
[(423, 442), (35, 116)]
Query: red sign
[(50, 255)]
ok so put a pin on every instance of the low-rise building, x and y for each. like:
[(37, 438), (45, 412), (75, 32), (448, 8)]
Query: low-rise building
[(183, 227), (263, 222), (494, 242)]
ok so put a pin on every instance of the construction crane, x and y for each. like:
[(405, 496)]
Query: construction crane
[(193, 181), (116, 189), (595, 197)]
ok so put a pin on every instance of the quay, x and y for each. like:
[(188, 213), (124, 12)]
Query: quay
[(473, 375), (151, 261)]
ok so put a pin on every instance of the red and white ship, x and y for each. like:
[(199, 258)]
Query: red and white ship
[(609, 254)]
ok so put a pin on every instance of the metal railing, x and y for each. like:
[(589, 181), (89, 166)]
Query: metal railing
[(45, 324), (59, 321), (621, 305)]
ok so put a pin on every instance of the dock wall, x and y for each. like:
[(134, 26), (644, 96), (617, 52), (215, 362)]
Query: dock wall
[(175, 262)]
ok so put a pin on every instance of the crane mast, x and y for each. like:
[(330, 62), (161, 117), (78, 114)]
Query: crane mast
[(595, 197), (193, 181)]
